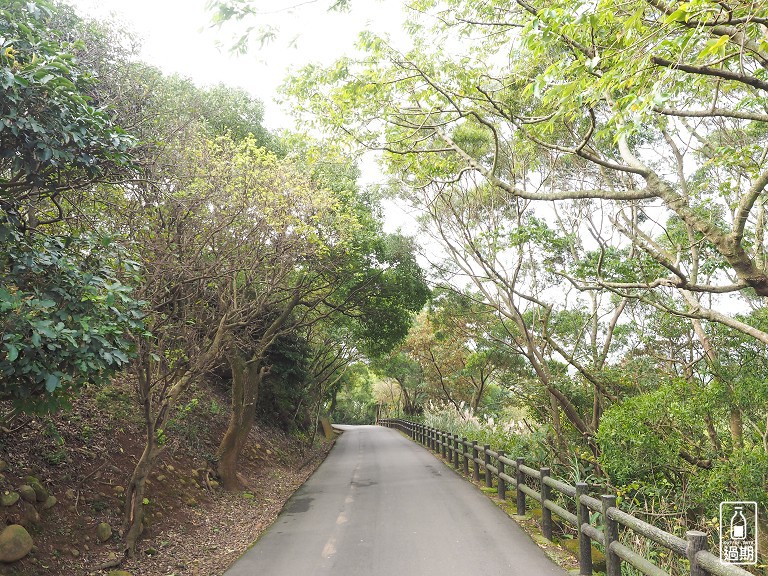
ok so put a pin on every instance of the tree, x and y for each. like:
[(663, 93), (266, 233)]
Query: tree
[(66, 300), (54, 140), (407, 372), (282, 397), (651, 107), (354, 402), (222, 250)]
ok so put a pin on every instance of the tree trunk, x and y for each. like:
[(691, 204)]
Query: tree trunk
[(597, 408), (334, 401), (134, 494), (712, 433), (554, 414), (246, 377), (737, 428)]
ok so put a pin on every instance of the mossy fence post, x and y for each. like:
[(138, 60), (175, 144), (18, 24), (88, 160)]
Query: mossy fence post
[(611, 532), (546, 513), (488, 473), (456, 463), (585, 544), (502, 486), (519, 481), (697, 541)]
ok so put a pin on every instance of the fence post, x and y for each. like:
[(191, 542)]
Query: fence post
[(519, 481), (696, 541), (456, 463), (546, 513), (585, 543), (475, 465), (502, 485), (443, 444), (488, 475), (464, 454), (611, 532), (435, 443)]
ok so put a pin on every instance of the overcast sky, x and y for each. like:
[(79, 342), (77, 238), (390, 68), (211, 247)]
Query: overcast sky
[(178, 38)]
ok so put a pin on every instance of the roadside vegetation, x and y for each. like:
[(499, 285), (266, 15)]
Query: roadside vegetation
[(590, 179), (590, 182), (155, 233)]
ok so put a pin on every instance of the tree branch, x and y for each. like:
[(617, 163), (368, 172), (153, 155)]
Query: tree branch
[(715, 72)]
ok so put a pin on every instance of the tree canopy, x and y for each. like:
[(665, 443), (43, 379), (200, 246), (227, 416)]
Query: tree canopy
[(592, 177), (54, 137)]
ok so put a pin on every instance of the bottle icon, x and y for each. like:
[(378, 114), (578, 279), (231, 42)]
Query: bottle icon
[(738, 524)]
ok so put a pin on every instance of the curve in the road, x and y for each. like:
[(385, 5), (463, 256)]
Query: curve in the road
[(382, 505)]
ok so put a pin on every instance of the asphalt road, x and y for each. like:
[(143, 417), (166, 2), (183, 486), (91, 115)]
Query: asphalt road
[(382, 505)]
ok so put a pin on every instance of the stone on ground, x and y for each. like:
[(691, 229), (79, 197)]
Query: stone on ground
[(15, 543), (28, 493), (9, 498), (103, 532)]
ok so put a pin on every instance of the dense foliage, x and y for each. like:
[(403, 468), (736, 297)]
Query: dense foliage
[(590, 180), (54, 138), (155, 228), (593, 177), (66, 315)]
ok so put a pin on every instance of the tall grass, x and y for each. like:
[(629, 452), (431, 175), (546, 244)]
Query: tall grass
[(506, 432)]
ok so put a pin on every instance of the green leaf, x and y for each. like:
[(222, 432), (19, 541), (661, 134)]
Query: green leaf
[(680, 15), (52, 382), (715, 47), (123, 358), (13, 352)]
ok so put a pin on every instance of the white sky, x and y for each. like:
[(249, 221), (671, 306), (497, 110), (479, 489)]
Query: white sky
[(178, 38)]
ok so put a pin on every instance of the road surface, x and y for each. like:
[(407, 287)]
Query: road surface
[(382, 505)]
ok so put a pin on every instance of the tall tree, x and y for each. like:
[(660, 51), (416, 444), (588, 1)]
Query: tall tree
[(66, 286), (651, 108)]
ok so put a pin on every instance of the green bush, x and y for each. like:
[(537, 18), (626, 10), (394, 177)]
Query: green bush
[(66, 315)]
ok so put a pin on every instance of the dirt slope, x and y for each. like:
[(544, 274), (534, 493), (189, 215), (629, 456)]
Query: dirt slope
[(84, 457)]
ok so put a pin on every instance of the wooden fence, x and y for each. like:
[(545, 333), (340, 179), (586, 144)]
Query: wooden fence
[(483, 462)]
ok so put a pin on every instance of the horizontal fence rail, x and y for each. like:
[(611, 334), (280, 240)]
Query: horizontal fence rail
[(485, 464)]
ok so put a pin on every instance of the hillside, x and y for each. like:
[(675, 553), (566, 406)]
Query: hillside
[(84, 457)]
